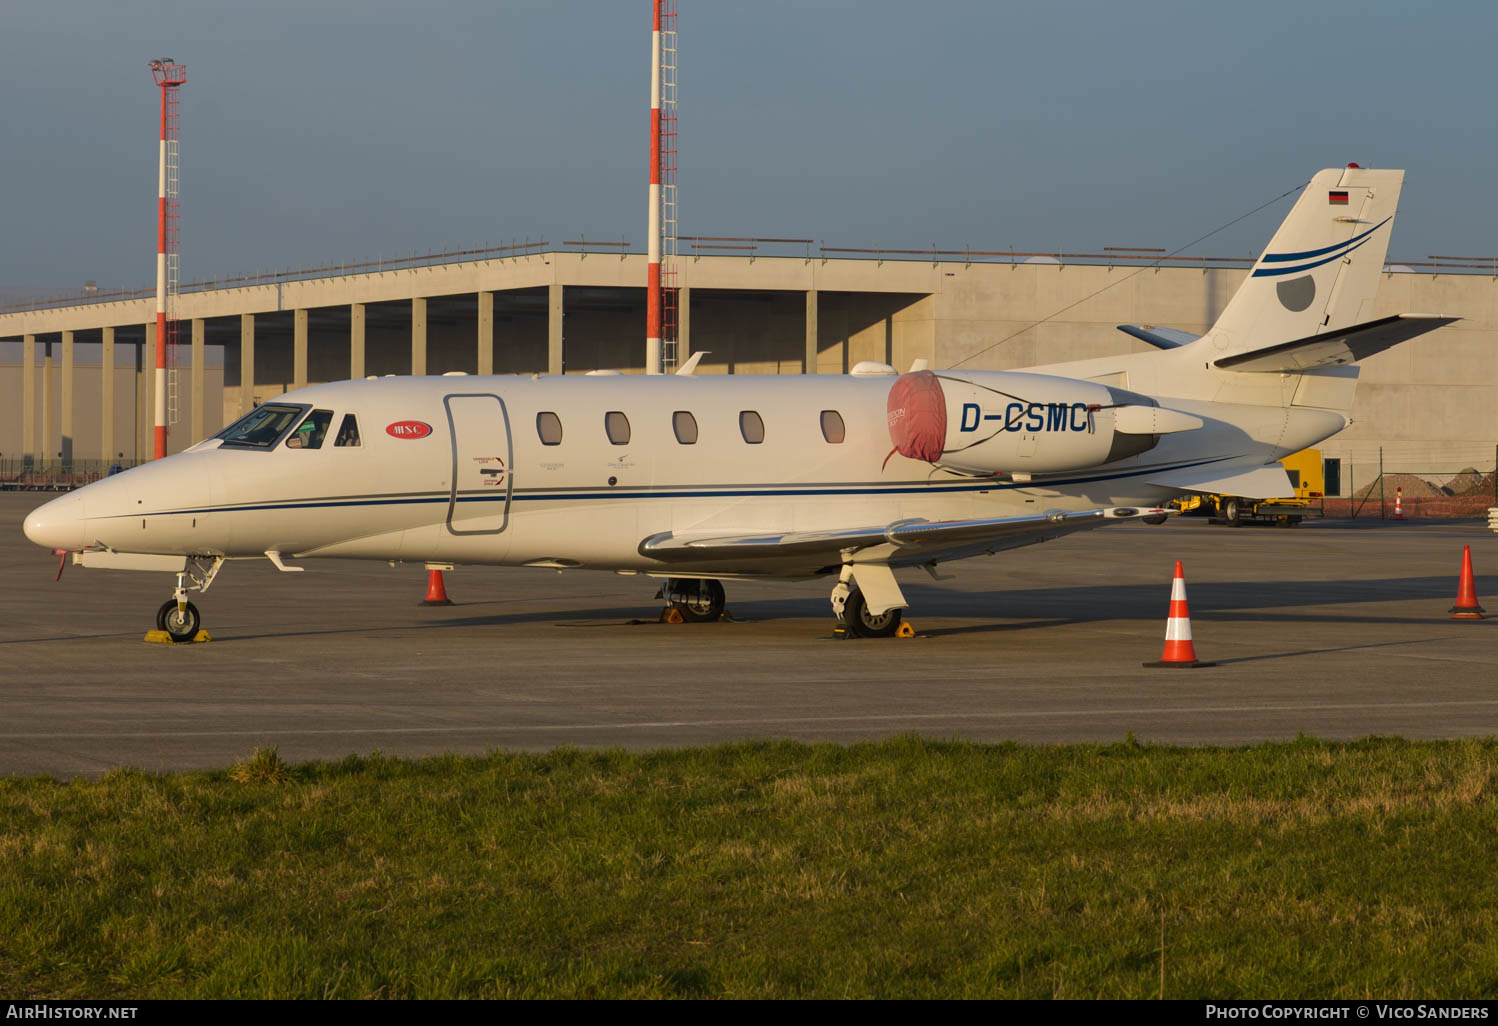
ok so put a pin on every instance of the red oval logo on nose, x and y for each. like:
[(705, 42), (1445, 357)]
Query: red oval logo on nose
[(408, 429)]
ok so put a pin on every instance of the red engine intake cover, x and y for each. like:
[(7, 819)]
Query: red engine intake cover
[(918, 416)]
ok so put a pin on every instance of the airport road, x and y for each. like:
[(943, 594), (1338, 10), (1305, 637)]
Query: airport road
[(1333, 629)]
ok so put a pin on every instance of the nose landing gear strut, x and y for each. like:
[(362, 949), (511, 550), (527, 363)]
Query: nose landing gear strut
[(177, 617)]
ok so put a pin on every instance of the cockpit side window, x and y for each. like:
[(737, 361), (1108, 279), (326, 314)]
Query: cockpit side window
[(262, 427), (310, 432), (348, 432)]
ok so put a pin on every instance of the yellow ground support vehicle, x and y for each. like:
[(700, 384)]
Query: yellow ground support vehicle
[(1307, 476)]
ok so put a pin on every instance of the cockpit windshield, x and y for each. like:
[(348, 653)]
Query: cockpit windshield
[(262, 427), (310, 432)]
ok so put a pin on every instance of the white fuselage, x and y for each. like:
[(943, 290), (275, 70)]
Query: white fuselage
[(481, 487)]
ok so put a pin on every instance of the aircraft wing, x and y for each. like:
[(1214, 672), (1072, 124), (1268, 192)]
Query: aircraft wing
[(907, 541), (1336, 347)]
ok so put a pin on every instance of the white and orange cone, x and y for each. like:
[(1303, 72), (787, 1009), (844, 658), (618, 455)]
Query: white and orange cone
[(1466, 607), (1399, 503), (436, 590), (1179, 651)]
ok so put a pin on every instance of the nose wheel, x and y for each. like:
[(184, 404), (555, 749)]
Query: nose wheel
[(177, 617), (180, 620)]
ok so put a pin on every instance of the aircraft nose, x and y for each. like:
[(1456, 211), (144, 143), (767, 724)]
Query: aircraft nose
[(59, 524)]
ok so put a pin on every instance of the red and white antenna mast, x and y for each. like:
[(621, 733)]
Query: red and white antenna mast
[(660, 291), (169, 75), (670, 315)]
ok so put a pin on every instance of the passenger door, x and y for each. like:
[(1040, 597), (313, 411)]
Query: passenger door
[(483, 458)]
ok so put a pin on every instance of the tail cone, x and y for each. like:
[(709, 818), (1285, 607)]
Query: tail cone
[(436, 590), (1179, 652), (1466, 607)]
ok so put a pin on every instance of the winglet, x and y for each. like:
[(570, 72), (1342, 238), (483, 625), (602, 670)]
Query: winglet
[(690, 366)]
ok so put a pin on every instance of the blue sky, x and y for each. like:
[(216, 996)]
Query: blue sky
[(332, 131)]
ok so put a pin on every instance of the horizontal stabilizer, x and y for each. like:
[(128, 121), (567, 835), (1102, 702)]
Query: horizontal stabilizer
[(1269, 482), (1330, 348), (1160, 338)]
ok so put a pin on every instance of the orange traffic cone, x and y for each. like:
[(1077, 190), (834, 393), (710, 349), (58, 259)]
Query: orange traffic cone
[(1179, 652), (1399, 503), (436, 590), (1466, 607)]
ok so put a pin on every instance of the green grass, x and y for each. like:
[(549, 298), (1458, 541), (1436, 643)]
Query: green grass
[(906, 868)]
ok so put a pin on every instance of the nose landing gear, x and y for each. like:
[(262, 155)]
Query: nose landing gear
[(178, 618)]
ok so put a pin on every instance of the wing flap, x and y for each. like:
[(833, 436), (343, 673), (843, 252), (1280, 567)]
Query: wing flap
[(920, 538), (1330, 348)]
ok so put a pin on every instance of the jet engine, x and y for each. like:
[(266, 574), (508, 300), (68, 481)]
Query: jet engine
[(993, 422)]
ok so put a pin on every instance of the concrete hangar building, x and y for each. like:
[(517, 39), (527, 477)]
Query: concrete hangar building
[(76, 373)]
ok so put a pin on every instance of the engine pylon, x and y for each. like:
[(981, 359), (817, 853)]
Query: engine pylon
[(1179, 651)]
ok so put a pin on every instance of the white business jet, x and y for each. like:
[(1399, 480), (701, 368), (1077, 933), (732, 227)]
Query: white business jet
[(700, 479)]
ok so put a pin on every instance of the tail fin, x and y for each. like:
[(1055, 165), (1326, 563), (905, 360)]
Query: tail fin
[(1321, 270)]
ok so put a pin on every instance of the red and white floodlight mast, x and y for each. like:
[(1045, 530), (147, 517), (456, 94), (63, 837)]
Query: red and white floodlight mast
[(168, 75), (653, 233)]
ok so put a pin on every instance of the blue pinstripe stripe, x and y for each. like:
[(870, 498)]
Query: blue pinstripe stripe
[(1270, 258), (1271, 272), (683, 493)]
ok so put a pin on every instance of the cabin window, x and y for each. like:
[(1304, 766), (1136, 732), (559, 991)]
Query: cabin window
[(549, 427), (310, 432), (348, 433), (752, 427), (685, 426), (832, 426), (617, 426), (262, 427)]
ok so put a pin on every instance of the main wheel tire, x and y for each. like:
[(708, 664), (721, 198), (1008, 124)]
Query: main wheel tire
[(864, 624), (181, 625), (1232, 512), (704, 603)]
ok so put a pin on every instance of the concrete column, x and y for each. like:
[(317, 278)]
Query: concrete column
[(299, 349), (356, 341), (65, 443), (486, 333), (28, 397), (683, 325), (145, 406), (49, 440), (199, 355), (246, 363), (555, 363), (106, 396), (418, 335), (810, 366)]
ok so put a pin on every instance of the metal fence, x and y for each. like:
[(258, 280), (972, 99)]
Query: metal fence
[(1391, 490), (28, 475)]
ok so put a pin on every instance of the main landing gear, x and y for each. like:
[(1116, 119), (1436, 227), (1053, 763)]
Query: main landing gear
[(698, 600), (178, 617), (701, 600), (854, 610)]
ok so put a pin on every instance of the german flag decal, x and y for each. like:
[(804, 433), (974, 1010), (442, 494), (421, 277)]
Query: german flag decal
[(1337, 199)]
